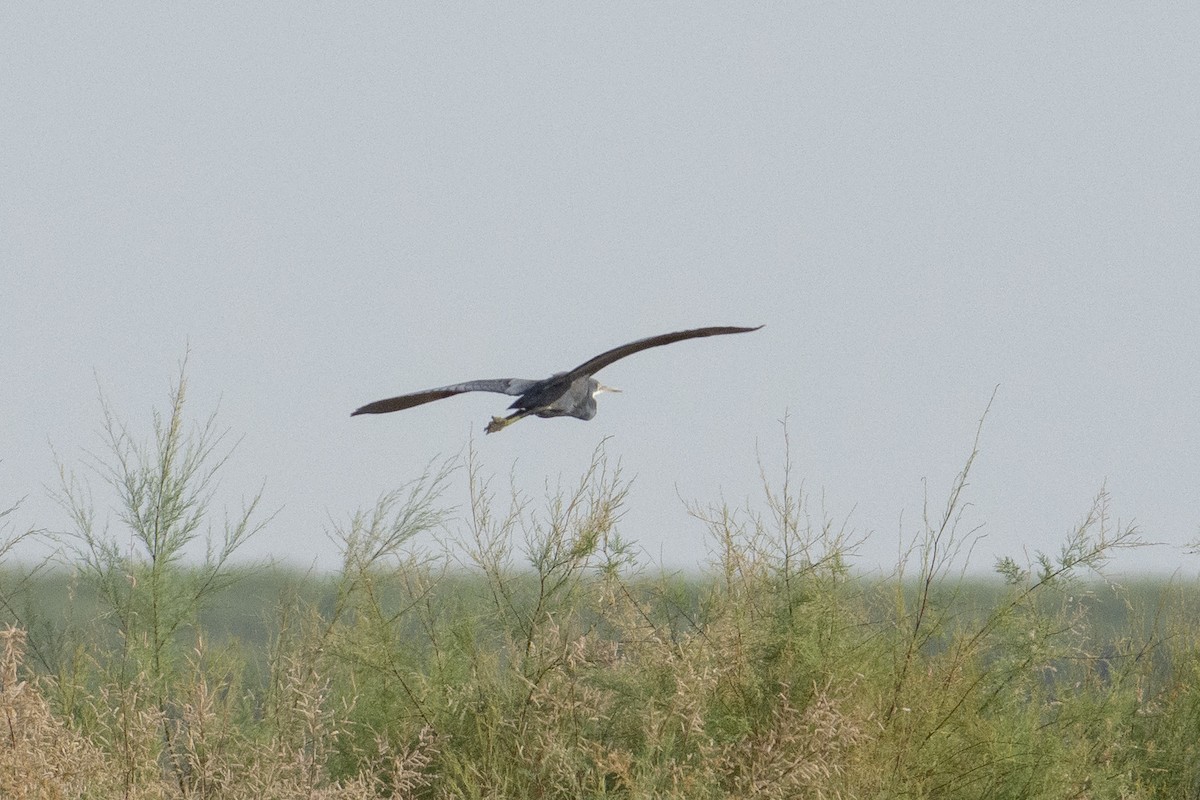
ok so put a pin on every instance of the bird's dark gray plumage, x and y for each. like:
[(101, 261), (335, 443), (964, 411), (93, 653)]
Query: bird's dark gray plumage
[(564, 394)]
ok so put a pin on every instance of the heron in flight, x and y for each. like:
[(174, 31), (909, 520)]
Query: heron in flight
[(564, 394)]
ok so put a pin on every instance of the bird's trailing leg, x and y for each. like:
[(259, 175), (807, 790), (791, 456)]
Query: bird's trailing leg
[(500, 423)]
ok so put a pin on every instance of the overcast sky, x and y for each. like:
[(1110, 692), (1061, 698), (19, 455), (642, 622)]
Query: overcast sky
[(334, 203)]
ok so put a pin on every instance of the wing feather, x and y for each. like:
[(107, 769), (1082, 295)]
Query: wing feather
[(594, 365), (510, 386)]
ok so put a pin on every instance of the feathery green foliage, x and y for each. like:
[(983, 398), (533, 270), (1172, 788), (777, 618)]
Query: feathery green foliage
[(524, 649)]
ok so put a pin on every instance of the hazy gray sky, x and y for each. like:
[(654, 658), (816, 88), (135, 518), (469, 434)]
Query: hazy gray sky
[(334, 203)]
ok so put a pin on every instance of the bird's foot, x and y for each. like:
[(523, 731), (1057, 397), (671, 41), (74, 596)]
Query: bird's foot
[(497, 424)]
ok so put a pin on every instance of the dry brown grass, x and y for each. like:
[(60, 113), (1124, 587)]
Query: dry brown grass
[(40, 757), (43, 757)]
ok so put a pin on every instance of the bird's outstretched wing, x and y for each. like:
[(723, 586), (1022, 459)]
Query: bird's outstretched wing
[(513, 386), (594, 365)]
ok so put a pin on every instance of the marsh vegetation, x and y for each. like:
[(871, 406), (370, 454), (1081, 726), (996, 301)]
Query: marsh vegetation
[(522, 648)]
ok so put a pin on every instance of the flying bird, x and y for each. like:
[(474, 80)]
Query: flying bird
[(563, 394)]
